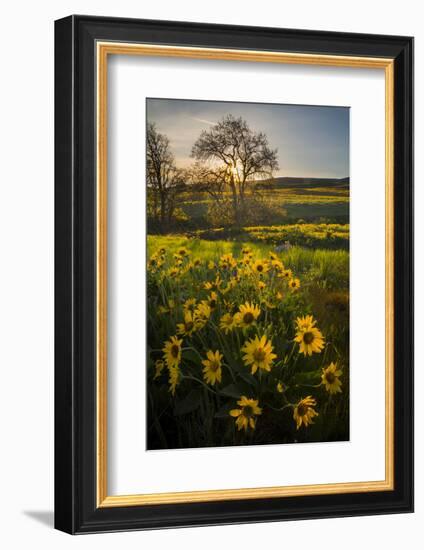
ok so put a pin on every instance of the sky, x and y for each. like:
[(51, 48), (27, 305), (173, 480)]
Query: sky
[(312, 141)]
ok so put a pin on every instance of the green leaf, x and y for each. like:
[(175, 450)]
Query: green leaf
[(244, 373), (189, 404), (231, 391), (309, 377), (249, 378)]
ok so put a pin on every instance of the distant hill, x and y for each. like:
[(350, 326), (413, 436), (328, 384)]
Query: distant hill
[(288, 182)]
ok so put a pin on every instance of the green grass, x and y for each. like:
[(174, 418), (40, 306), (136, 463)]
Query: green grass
[(314, 236), (329, 268), (205, 249)]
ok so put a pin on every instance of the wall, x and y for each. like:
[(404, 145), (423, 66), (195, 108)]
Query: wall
[(26, 274)]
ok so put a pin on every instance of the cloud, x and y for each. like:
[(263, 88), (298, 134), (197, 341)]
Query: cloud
[(204, 121)]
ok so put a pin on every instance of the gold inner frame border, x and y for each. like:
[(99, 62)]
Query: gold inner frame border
[(103, 50)]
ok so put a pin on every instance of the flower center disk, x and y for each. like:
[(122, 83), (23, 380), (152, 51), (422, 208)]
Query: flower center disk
[(248, 411), (330, 377), (214, 366), (248, 318), (308, 337), (259, 355), (301, 410)]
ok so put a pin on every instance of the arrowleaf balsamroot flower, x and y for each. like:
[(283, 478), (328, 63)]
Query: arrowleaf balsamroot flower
[(246, 414), (227, 323), (189, 325), (294, 284), (172, 352), (286, 274), (227, 261), (212, 300), (330, 378), (203, 311), (189, 304), (260, 267), (210, 285), (247, 315), (183, 251), (309, 338), (304, 412), (212, 371), (258, 354)]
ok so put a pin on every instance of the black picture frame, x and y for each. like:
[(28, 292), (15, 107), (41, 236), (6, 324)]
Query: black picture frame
[(76, 510)]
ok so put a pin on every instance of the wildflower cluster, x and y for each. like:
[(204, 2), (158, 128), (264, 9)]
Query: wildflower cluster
[(232, 330)]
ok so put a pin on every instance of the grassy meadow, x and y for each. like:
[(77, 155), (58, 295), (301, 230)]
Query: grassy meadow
[(248, 328)]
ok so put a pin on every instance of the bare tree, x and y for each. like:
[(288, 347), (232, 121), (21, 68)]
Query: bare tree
[(230, 156), (163, 177)]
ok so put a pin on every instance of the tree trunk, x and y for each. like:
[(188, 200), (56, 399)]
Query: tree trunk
[(237, 218), (163, 207)]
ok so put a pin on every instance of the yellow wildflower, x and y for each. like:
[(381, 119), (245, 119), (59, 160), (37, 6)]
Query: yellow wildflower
[(304, 412), (189, 325), (212, 372), (309, 338), (294, 284), (246, 414), (172, 352), (330, 378), (212, 300), (286, 274), (260, 267), (258, 354), (247, 315), (189, 304), (227, 323)]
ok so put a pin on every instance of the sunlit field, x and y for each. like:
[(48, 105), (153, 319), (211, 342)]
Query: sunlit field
[(320, 235), (307, 204)]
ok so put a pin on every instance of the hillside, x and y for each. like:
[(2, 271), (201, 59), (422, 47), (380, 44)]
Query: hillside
[(285, 182)]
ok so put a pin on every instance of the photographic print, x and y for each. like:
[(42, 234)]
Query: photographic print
[(247, 273)]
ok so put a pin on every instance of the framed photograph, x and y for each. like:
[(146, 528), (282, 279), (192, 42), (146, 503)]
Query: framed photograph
[(234, 274)]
